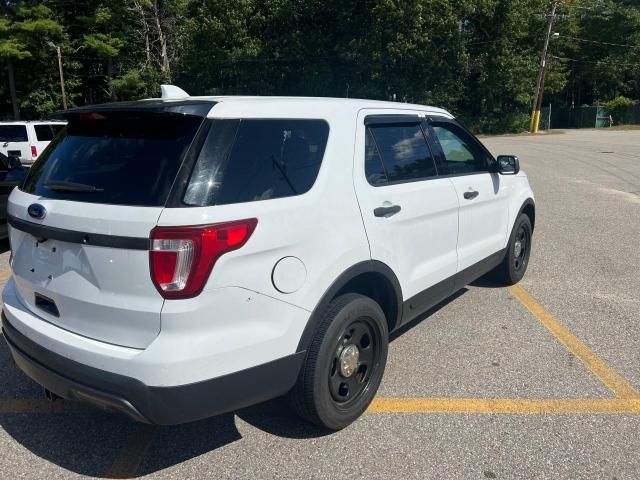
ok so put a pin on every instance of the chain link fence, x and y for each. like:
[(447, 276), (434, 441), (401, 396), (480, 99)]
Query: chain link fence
[(588, 117)]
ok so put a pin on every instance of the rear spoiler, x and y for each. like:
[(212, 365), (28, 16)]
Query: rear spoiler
[(185, 106)]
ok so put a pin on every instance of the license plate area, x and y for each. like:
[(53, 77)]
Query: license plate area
[(42, 262), (46, 252)]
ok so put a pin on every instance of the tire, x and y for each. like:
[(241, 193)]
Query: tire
[(344, 364), (516, 259)]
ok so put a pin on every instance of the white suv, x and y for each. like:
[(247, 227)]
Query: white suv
[(176, 259), (26, 140)]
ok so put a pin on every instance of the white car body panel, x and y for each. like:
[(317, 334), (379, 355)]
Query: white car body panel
[(483, 220), (102, 293), (519, 191), (224, 331)]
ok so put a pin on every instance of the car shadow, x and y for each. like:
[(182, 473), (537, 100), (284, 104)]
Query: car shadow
[(421, 318), (483, 282), (87, 441)]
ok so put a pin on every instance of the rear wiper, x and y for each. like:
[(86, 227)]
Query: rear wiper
[(62, 186)]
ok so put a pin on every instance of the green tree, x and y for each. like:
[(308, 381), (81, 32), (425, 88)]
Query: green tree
[(477, 58), (11, 50), (23, 32)]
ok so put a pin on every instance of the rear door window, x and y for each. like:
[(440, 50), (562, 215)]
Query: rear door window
[(254, 159), (13, 133), (119, 158), (397, 153)]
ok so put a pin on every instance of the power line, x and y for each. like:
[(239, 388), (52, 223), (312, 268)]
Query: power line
[(626, 45), (600, 8), (598, 62)]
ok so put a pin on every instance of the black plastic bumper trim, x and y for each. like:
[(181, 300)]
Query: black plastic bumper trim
[(157, 405)]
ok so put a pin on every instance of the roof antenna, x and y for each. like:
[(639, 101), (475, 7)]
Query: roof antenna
[(171, 91)]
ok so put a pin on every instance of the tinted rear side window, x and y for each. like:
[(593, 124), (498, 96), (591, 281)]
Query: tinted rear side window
[(404, 153), (250, 160), (46, 132), (13, 133), (374, 168), (130, 158)]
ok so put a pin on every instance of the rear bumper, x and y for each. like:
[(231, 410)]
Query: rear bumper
[(151, 404)]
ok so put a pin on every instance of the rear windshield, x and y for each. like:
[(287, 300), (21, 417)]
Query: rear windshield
[(47, 131), (250, 160), (13, 133), (116, 158)]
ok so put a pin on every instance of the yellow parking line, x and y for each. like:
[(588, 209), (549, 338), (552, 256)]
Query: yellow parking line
[(618, 385), (128, 461), (508, 406), (5, 274), (398, 405)]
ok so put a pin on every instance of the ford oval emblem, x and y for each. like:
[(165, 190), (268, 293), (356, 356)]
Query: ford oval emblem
[(36, 210)]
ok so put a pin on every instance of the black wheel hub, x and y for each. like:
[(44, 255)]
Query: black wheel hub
[(356, 356), (521, 248)]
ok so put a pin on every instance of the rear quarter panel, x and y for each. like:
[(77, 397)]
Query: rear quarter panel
[(322, 228)]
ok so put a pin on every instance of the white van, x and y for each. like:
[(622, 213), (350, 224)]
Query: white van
[(176, 259), (27, 140)]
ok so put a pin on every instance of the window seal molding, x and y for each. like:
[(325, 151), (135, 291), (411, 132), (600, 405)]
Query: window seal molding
[(392, 119)]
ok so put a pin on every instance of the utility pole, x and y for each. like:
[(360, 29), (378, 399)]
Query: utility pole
[(64, 96), (59, 52), (537, 98)]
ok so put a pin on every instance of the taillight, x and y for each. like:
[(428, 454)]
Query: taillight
[(181, 258), (34, 151)]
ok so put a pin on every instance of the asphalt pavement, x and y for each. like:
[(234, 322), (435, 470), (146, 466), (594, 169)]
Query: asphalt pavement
[(535, 381)]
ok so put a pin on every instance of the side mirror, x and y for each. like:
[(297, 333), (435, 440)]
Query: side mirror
[(508, 165)]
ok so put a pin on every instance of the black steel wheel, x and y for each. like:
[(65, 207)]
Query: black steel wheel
[(356, 355), (344, 364), (516, 258), (521, 245)]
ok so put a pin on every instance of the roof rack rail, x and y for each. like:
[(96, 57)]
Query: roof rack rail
[(171, 91)]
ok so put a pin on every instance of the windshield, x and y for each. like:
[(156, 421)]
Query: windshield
[(116, 158)]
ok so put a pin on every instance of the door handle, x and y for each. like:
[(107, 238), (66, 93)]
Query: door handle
[(387, 211), (470, 195)]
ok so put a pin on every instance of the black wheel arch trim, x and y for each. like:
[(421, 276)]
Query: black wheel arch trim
[(367, 266), (528, 202)]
